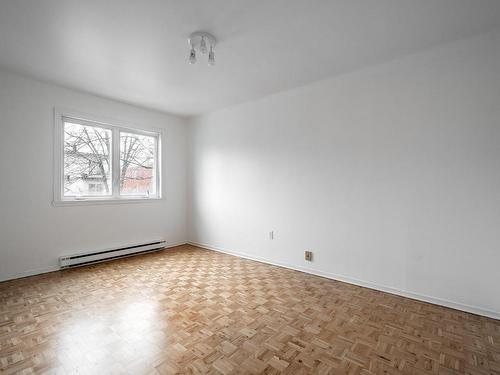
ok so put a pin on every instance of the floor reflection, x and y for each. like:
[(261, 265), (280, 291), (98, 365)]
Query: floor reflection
[(108, 340)]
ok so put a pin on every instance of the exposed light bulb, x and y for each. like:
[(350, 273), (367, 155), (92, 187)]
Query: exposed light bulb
[(211, 56), (201, 42), (192, 56), (203, 45)]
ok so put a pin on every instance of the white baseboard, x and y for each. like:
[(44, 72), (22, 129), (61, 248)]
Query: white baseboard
[(39, 271), (404, 293)]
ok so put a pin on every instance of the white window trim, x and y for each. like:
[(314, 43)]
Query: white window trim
[(115, 126)]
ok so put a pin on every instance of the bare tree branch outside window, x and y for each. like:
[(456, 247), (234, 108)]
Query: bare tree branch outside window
[(137, 157), (87, 151), (87, 162)]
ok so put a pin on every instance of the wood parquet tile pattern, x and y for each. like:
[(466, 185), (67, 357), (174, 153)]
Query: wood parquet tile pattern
[(188, 310)]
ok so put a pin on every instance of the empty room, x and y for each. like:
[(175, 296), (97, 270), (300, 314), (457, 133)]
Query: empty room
[(250, 187)]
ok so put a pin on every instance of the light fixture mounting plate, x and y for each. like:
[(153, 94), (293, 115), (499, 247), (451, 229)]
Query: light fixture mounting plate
[(194, 39)]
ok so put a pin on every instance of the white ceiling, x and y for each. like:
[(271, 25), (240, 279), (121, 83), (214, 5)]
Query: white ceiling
[(136, 51)]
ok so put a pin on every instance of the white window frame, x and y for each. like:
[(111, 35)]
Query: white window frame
[(116, 127)]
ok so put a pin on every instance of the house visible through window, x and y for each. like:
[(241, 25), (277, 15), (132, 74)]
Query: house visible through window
[(106, 162), (96, 188)]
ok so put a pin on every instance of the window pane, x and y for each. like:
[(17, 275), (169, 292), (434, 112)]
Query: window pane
[(137, 164), (87, 160)]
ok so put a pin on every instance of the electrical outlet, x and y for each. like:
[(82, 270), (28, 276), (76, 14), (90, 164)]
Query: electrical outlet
[(308, 255)]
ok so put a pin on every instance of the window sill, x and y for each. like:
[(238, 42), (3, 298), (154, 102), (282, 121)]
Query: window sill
[(97, 202)]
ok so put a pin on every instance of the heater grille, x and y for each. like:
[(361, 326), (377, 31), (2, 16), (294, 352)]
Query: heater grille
[(82, 259)]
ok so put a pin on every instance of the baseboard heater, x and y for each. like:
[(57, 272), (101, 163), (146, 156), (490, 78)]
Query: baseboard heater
[(82, 259)]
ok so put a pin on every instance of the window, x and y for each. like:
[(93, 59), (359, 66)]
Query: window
[(100, 162), (137, 164), (87, 160)]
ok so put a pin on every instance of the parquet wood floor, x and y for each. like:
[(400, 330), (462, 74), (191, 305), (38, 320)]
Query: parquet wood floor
[(189, 310)]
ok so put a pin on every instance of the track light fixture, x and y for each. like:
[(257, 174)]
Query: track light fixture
[(199, 41)]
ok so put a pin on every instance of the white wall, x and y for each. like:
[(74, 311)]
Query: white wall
[(33, 233), (390, 175)]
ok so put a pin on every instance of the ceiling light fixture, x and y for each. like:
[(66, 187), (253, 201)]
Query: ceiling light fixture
[(199, 41)]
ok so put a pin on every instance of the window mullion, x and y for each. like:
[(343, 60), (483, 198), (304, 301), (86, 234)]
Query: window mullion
[(116, 163), (157, 165)]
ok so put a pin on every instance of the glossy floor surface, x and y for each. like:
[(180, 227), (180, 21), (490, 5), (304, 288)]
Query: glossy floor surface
[(189, 310)]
